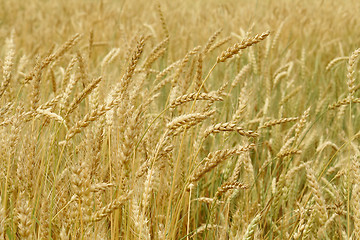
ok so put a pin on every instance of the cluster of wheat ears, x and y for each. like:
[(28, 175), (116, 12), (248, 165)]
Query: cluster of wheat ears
[(245, 135)]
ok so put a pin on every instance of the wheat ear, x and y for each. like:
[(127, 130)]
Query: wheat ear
[(8, 64), (247, 42)]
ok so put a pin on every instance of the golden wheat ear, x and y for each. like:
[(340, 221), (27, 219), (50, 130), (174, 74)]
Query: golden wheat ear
[(247, 42)]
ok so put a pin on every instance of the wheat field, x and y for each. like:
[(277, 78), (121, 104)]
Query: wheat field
[(179, 119)]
